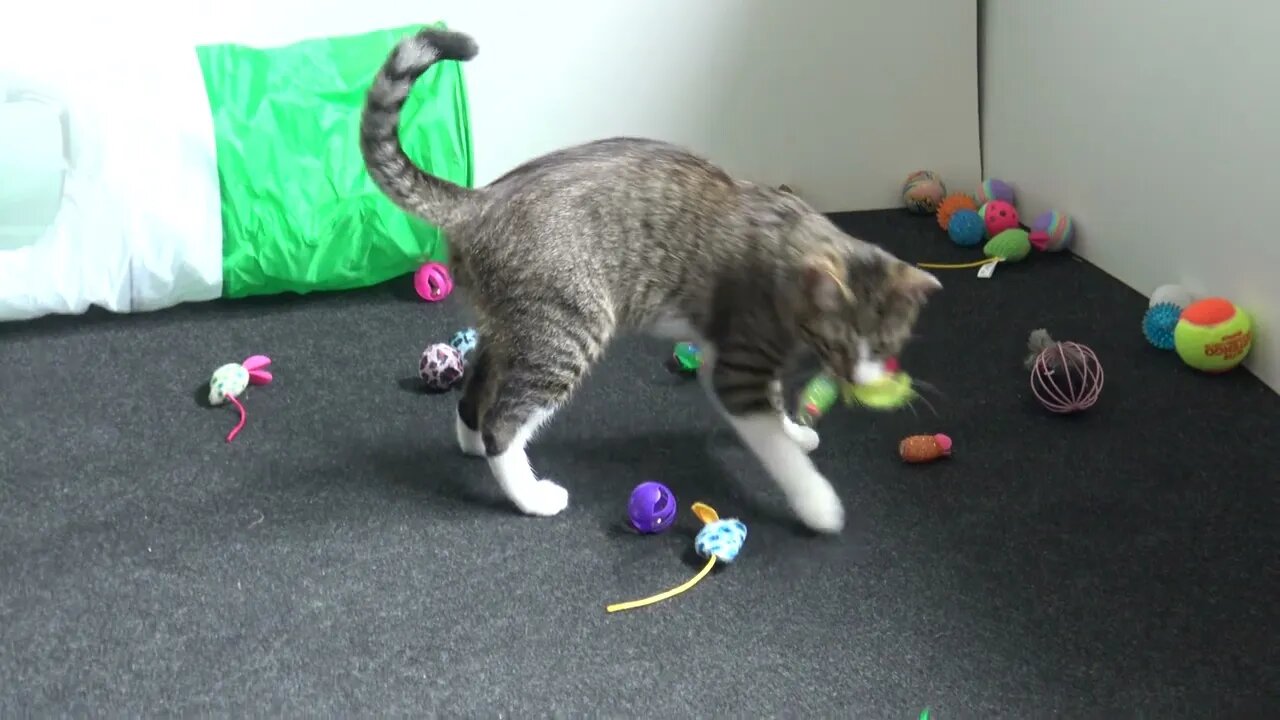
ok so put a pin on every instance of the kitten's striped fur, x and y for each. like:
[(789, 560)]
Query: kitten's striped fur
[(568, 250)]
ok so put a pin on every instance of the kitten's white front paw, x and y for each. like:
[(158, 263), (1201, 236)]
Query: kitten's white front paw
[(543, 498), (806, 437), (819, 508), (469, 441)]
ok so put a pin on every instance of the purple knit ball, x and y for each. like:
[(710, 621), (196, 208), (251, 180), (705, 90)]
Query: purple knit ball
[(994, 189), (652, 508), (440, 366)]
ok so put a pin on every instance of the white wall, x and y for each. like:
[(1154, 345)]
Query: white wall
[(1156, 124), (839, 98)]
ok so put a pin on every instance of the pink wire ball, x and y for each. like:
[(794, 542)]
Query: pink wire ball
[(433, 282), (1067, 377)]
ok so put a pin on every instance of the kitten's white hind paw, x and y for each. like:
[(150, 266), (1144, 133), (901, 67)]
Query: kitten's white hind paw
[(542, 498), (806, 437), (469, 441), (819, 508)]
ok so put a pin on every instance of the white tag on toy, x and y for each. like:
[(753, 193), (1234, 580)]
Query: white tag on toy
[(988, 269)]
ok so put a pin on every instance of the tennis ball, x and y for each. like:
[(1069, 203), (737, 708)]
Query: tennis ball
[(1213, 335)]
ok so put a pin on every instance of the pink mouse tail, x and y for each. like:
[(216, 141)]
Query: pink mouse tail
[(236, 430)]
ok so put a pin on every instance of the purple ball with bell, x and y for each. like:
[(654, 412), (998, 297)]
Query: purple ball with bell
[(652, 508)]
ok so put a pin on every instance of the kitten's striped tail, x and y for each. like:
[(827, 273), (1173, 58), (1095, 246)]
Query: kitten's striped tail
[(434, 199)]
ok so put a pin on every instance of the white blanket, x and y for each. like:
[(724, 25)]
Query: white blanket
[(108, 178)]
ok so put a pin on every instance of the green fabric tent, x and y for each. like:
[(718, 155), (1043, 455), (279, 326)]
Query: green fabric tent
[(299, 210)]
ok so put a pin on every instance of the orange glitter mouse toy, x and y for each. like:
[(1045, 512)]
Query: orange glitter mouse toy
[(924, 448)]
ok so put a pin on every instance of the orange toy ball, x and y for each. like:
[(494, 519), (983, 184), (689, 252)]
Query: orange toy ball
[(950, 205)]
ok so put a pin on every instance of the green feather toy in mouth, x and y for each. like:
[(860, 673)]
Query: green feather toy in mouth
[(895, 390)]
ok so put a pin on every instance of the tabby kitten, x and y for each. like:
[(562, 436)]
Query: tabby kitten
[(570, 249)]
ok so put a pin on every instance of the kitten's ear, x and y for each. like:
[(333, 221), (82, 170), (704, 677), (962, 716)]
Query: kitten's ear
[(915, 283), (822, 279)]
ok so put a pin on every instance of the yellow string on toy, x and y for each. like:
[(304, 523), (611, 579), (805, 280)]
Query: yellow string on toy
[(959, 266), (706, 514), (711, 561)]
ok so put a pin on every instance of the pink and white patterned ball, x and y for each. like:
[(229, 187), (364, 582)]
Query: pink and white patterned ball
[(440, 367)]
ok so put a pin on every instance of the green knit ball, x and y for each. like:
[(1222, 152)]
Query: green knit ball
[(1012, 245)]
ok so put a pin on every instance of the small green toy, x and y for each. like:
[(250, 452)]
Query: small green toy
[(685, 359), (1012, 245), (820, 394), (891, 393)]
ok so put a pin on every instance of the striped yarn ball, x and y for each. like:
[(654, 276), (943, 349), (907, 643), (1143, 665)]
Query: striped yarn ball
[(1052, 231), (922, 192), (994, 190)]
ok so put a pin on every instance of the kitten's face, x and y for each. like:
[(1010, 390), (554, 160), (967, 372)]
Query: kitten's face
[(859, 314)]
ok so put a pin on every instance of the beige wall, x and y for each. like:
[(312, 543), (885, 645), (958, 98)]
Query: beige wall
[(1155, 123)]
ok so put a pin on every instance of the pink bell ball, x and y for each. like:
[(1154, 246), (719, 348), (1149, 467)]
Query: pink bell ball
[(440, 367), (1066, 377), (433, 282), (994, 190), (1052, 231), (998, 216)]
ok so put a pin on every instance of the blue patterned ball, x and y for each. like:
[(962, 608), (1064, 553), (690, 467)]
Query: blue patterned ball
[(722, 538), (1158, 324), (464, 341), (966, 228)]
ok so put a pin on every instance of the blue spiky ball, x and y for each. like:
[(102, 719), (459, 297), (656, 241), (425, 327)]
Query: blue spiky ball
[(966, 228), (1158, 324)]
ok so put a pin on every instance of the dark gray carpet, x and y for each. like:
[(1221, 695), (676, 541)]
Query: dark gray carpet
[(341, 558)]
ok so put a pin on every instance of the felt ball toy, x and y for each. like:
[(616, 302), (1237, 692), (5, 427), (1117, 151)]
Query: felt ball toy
[(923, 191), (440, 367), (1052, 231), (1011, 245), (1066, 377), (1213, 335), (464, 341), (719, 541), (949, 206), (924, 448), (652, 508), (999, 216), (1158, 323), (966, 228), (231, 380), (433, 282), (994, 190), (1172, 294)]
